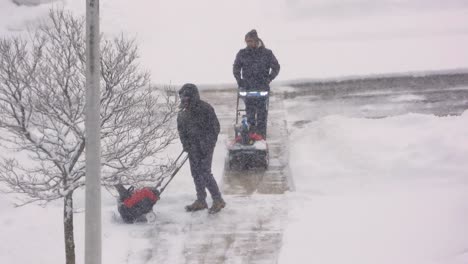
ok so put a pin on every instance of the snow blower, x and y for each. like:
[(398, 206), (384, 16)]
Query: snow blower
[(137, 205), (249, 149)]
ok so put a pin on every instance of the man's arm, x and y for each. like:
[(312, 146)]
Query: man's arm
[(275, 67), (183, 135), (213, 123), (236, 69)]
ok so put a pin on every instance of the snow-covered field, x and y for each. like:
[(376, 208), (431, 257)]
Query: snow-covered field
[(389, 190)]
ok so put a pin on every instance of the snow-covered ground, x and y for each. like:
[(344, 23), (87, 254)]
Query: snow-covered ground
[(390, 190), (33, 234)]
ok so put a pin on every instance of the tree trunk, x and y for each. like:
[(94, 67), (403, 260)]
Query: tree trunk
[(68, 229)]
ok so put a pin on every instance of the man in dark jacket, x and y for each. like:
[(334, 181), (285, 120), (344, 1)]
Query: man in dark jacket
[(198, 129), (254, 69)]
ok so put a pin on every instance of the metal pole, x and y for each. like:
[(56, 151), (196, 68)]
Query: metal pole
[(93, 140)]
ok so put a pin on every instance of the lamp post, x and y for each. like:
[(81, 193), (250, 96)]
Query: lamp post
[(93, 236)]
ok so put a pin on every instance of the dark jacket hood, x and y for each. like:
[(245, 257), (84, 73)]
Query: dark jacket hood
[(190, 90)]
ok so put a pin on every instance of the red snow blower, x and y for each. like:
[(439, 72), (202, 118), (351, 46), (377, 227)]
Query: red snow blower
[(136, 205)]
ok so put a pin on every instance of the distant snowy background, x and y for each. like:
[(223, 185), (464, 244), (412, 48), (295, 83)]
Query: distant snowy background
[(196, 41)]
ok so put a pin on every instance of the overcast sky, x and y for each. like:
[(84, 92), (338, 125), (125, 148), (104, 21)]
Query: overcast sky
[(196, 41)]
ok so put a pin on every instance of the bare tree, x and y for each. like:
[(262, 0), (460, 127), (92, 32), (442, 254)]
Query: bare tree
[(42, 99)]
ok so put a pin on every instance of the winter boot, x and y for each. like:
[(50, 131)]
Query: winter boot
[(196, 206), (218, 204)]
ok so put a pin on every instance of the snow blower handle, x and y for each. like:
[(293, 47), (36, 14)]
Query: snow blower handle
[(175, 162), (175, 171)]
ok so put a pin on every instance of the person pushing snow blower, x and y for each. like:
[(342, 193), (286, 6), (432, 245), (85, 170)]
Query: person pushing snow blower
[(254, 68), (198, 128)]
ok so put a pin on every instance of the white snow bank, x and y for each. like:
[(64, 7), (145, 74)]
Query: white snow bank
[(28, 233), (391, 190)]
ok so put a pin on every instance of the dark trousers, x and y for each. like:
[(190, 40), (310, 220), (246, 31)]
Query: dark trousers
[(200, 166), (256, 109)]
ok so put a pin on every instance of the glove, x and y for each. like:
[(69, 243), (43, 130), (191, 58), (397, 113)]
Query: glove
[(186, 148)]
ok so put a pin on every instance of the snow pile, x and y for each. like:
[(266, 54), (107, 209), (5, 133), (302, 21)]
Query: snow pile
[(391, 190), (31, 234)]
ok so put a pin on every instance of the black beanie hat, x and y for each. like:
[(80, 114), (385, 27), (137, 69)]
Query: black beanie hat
[(252, 34)]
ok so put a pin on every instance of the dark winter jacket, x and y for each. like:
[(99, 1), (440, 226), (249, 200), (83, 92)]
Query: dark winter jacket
[(197, 124), (255, 65)]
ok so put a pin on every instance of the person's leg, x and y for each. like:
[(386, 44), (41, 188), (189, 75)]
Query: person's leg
[(200, 184), (250, 109), (205, 172), (211, 184), (198, 179), (262, 116)]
